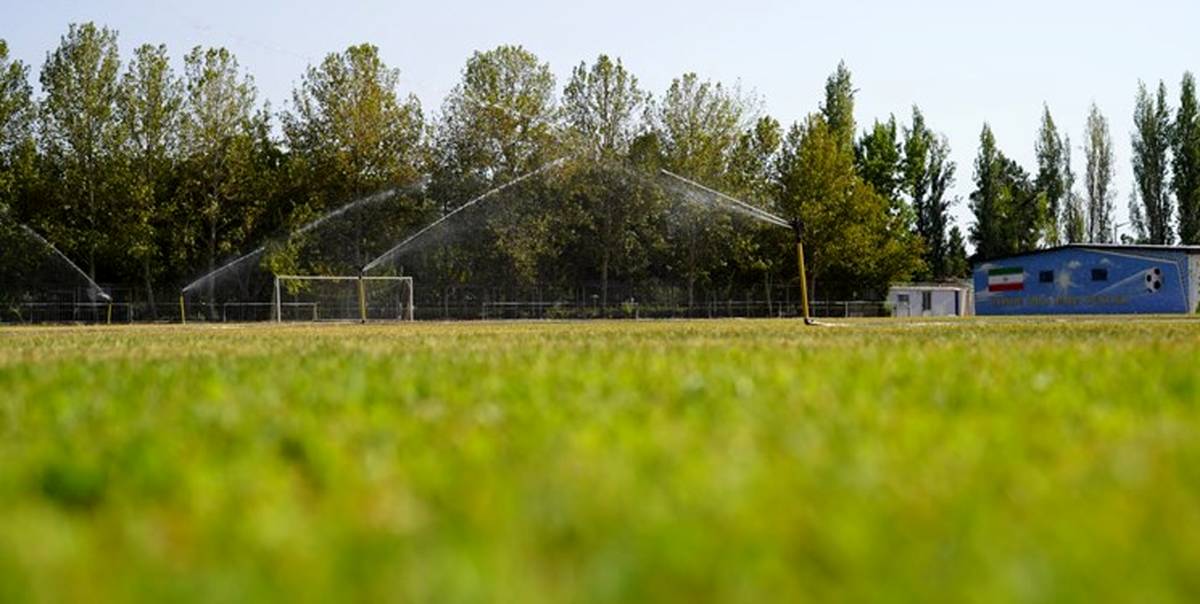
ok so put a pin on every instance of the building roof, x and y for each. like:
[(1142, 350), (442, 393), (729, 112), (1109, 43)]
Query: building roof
[(1187, 249), (949, 286)]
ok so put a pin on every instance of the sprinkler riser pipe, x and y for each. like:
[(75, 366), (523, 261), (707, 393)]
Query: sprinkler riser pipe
[(803, 282)]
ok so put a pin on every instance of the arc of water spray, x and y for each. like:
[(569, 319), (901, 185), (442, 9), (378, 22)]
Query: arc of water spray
[(769, 218), (260, 249), (91, 284), (384, 257), (304, 229), (758, 213)]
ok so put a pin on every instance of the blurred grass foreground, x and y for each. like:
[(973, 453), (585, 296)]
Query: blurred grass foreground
[(740, 461)]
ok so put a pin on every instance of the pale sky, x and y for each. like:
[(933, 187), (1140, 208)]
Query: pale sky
[(963, 62)]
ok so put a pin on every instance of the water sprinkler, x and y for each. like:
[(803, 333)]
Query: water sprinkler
[(798, 229)]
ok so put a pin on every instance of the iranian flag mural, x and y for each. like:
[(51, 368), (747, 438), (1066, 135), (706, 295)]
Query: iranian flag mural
[(1006, 279)]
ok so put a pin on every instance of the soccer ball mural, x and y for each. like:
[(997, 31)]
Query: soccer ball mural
[(1154, 280)]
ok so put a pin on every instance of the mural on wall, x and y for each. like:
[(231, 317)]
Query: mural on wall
[(1081, 280)]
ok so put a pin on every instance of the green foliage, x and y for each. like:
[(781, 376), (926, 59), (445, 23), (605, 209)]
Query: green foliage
[(349, 129), (17, 112), (752, 177), (751, 169), (1052, 158), (848, 233), (927, 173), (1151, 145), (699, 125), (878, 160), (1185, 146), (1074, 215), (498, 122), (221, 138), (1009, 211), (149, 103), (79, 132), (1098, 177), (991, 461), (838, 108), (150, 177), (986, 200), (603, 108), (957, 265)]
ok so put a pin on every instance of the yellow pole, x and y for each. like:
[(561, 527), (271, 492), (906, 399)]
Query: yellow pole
[(362, 299), (803, 283), (182, 312), (108, 315)]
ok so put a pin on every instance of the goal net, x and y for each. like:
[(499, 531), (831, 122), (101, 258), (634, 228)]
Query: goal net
[(342, 298)]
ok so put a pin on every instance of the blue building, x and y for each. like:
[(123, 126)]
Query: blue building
[(1090, 279)]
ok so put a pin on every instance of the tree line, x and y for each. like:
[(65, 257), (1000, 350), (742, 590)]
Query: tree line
[(151, 177), (1016, 212)]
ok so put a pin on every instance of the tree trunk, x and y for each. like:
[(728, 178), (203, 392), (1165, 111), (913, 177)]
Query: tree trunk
[(604, 279), (767, 290), (691, 292), (812, 291), (91, 219), (212, 265), (149, 288)]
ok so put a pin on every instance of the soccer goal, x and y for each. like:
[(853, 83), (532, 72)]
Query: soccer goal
[(342, 298)]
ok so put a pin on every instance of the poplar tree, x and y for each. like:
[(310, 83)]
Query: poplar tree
[(1151, 146), (957, 264), (1186, 162), (1074, 215), (1009, 212), (928, 174), (878, 160), (1051, 157), (1098, 177), (838, 107), (987, 200)]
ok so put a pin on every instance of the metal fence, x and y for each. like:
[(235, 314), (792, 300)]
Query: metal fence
[(458, 303)]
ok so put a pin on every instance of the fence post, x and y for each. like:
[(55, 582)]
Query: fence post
[(278, 302), (362, 299), (409, 310)]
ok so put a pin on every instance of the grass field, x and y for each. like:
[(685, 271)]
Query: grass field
[(753, 461)]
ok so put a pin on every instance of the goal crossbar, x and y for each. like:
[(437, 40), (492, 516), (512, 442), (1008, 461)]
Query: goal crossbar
[(361, 281), (341, 278)]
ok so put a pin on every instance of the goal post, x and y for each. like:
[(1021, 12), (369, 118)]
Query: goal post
[(342, 298)]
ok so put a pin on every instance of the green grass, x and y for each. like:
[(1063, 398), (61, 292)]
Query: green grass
[(752, 461)]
